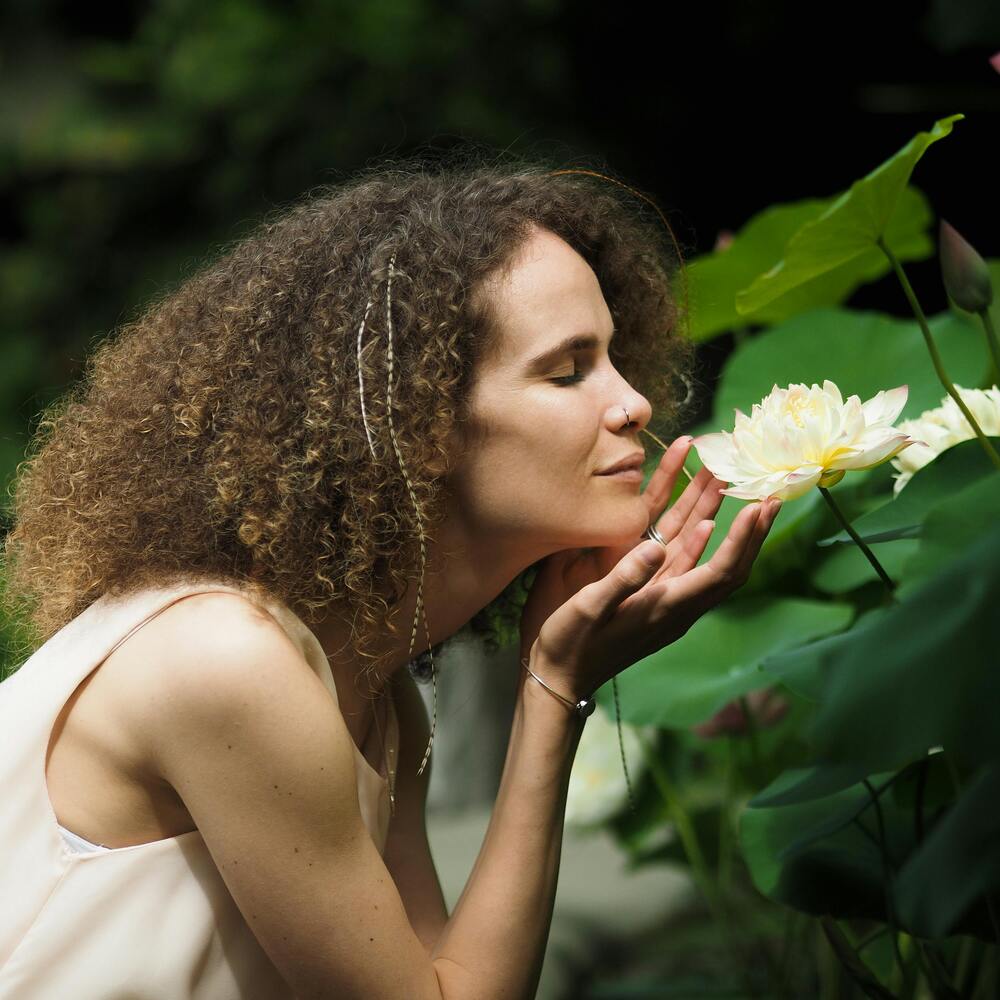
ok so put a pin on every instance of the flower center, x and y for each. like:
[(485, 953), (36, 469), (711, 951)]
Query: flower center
[(795, 403)]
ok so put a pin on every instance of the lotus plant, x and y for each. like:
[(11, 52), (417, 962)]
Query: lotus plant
[(805, 436), (945, 426)]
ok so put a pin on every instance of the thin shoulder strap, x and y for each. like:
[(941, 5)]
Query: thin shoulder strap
[(160, 610)]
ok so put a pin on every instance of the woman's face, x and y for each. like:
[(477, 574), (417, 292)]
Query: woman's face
[(548, 416)]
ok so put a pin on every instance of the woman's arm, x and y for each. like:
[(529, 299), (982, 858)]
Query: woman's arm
[(244, 730), (493, 945)]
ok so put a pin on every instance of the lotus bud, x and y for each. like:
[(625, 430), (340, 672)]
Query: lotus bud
[(724, 240), (965, 274)]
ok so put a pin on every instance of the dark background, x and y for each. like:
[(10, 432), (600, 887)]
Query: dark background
[(137, 138)]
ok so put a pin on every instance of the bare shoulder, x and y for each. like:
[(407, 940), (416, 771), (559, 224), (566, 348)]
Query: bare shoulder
[(191, 655), (256, 748)]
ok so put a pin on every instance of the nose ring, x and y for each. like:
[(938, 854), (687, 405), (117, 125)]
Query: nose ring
[(628, 419)]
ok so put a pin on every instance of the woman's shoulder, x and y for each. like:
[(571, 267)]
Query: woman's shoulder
[(198, 651)]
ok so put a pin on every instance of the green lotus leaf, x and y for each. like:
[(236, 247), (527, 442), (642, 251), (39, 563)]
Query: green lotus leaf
[(848, 229)]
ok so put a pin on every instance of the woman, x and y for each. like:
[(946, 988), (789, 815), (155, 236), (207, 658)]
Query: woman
[(423, 376)]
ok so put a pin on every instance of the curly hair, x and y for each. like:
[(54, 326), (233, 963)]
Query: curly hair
[(218, 436)]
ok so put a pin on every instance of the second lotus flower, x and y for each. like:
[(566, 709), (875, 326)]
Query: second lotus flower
[(801, 437)]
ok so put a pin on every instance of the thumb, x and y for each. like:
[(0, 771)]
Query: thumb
[(633, 571)]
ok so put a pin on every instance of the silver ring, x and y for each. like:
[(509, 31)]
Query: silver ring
[(654, 536), (628, 419)]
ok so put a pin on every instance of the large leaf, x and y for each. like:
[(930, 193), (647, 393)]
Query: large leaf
[(915, 674), (952, 526), (957, 864), (801, 784), (840, 874), (847, 229), (847, 567), (949, 475), (815, 856), (714, 279), (717, 660), (862, 352)]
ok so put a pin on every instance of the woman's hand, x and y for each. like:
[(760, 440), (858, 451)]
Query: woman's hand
[(593, 612)]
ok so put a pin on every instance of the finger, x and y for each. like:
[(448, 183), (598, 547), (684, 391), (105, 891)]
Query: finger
[(669, 524), (661, 484), (600, 600), (687, 549), (761, 530), (704, 509), (720, 574)]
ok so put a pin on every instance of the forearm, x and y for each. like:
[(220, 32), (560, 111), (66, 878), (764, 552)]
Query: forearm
[(494, 942)]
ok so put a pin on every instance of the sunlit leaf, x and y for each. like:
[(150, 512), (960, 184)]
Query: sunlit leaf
[(716, 661), (847, 229)]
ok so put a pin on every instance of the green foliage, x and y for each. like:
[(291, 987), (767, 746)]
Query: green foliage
[(849, 229), (719, 659), (875, 802), (947, 477), (715, 280), (862, 352), (126, 158)]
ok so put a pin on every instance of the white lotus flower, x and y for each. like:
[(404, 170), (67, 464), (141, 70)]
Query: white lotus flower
[(597, 788), (945, 426), (801, 437)]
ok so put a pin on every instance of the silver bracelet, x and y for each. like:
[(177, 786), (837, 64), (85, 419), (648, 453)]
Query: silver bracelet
[(582, 708)]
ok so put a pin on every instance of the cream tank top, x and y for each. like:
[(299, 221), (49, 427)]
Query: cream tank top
[(154, 921)]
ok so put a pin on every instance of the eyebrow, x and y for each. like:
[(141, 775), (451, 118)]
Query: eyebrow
[(580, 342)]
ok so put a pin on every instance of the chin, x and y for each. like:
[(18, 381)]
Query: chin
[(629, 518)]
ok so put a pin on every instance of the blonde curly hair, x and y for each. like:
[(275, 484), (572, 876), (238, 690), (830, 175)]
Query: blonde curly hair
[(218, 435)]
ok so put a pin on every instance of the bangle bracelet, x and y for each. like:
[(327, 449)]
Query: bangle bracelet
[(582, 708)]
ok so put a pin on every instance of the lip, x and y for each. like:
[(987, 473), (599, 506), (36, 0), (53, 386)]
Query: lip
[(625, 475), (630, 462)]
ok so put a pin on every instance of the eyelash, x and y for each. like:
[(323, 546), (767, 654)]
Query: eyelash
[(577, 376)]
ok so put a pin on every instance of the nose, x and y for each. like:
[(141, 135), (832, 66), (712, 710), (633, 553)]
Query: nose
[(635, 405)]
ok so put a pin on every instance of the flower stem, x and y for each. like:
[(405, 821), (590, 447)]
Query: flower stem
[(936, 357), (751, 723), (890, 906), (664, 447), (991, 339), (682, 824), (846, 525)]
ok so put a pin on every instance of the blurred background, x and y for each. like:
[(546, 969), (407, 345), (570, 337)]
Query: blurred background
[(137, 137)]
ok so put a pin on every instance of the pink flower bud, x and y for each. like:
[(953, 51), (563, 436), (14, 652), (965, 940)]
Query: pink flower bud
[(724, 240), (965, 274)]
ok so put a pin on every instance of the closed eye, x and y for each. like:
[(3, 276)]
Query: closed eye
[(577, 376)]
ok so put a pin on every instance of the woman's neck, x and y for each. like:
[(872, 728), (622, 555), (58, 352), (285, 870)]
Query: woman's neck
[(459, 581)]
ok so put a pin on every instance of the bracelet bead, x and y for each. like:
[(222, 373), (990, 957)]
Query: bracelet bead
[(583, 708)]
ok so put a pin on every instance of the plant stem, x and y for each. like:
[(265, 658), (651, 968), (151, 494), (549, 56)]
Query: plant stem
[(991, 339), (682, 823), (890, 909), (962, 965), (693, 853), (935, 356), (751, 722), (664, 447), (846, 525), (849, 959), (726, 818)]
